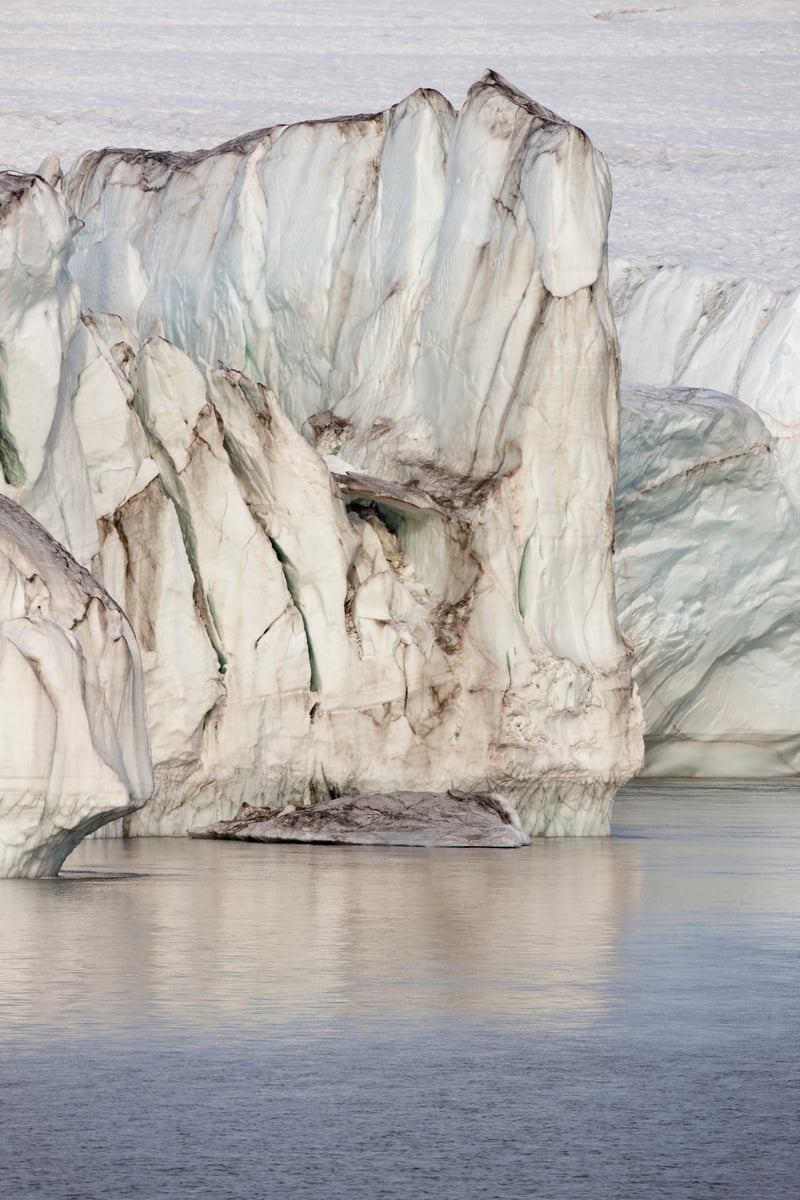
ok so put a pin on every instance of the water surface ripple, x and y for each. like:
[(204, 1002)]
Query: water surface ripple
[(592, 1018)]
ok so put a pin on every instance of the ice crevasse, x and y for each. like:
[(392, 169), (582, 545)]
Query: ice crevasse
[(337, 428)]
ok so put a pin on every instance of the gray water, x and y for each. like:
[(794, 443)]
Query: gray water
[(607, 1019)]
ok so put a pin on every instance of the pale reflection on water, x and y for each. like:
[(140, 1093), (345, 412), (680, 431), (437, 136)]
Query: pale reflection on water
[(207, 934), (614, 1019)]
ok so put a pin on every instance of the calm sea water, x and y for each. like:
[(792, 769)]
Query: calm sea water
[(603, 1019)]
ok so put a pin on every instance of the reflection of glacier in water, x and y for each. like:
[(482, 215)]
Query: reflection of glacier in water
[(206, 934), (598, 1019)]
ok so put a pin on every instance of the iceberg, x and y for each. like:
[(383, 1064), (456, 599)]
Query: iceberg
[(708, 505), (707, 566), (337, 428)]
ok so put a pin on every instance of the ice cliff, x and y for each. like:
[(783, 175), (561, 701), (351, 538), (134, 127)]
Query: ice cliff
[(74, 751), (708, 574), (708, 530), (338, 430)]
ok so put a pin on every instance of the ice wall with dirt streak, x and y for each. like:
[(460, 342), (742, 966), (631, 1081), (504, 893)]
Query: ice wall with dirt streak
[(347, 416)]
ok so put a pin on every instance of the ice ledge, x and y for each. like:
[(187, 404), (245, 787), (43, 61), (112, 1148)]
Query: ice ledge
[(450, 818)]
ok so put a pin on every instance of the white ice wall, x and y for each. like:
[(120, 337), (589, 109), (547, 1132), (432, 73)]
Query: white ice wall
[(708, 571), (347, 412)]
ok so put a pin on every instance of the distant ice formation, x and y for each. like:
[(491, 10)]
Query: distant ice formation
[(708, 572), (339, 433), (708, 523), (74, 750), (680, 325)]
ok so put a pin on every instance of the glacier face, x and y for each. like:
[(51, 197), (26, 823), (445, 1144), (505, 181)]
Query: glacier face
[(74, 752), (341, 433)]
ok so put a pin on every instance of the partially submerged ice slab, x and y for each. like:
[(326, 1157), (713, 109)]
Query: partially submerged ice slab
[(396, 819), (344, 419), (74, 750)]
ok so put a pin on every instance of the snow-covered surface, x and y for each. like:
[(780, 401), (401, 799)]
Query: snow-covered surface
[(363, 548), (74, 750), (694, 104)]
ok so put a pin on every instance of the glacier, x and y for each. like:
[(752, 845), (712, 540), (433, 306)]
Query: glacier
[(331, 411)]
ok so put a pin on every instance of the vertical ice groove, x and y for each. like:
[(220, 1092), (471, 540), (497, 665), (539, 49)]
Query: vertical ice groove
[(175, 492)]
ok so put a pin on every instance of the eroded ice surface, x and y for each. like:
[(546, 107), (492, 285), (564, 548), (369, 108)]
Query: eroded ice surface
[(707, 567), (397, 819), (711, 177), (340, 436), (74, 751), (686, 326)]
